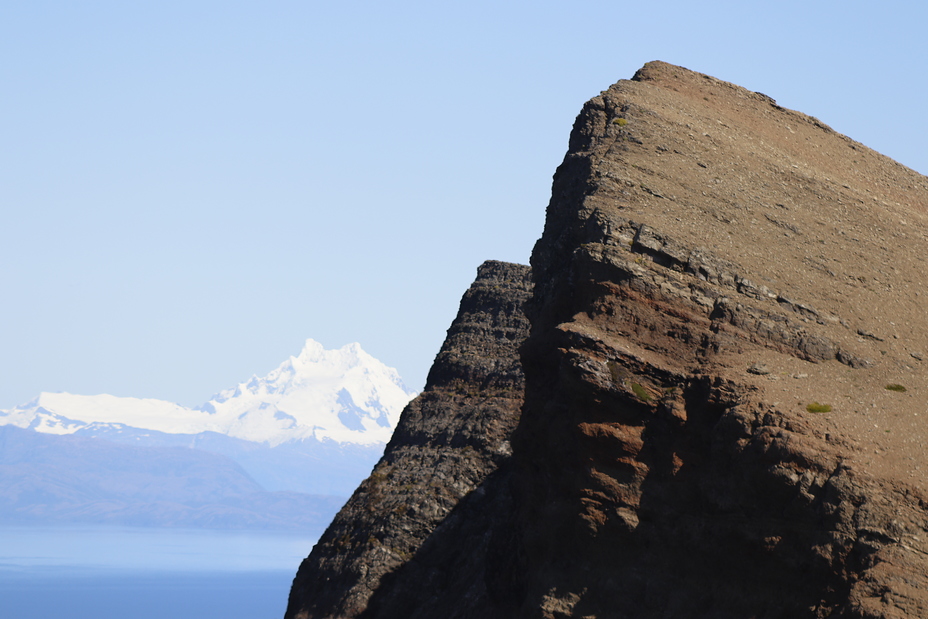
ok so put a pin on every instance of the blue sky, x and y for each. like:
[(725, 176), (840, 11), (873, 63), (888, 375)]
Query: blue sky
[(191, 189)]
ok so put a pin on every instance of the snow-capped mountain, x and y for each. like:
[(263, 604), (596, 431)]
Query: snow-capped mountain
[(279, 451), (344, 395)]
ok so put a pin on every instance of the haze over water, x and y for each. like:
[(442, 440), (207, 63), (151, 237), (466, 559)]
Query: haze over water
[(112, 573)]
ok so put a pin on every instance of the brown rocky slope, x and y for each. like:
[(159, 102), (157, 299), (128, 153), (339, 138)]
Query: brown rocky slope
[(725, 380), (449, 441)]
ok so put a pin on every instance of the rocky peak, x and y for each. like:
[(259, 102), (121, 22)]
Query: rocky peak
[(428, 494), (723, 412), (772, 222), (719, 294)]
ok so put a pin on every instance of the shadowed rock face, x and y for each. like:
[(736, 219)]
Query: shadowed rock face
[(723, 292), (426, 500), (697, 288)]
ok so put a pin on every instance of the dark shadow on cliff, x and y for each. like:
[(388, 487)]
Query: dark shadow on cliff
[(723, 530), (465, 568)]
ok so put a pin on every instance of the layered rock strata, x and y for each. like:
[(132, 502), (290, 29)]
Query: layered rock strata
[(427, 498), (702, 375), (724, 411)]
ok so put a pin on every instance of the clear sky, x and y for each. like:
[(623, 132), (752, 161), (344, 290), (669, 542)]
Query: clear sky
[(191, 189)]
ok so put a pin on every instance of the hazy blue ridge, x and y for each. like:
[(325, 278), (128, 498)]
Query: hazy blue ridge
[(64, 479), (308, 466)]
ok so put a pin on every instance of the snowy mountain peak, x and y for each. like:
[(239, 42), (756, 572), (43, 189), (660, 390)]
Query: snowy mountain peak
[(312, 351), (348, 356), (343, 395)]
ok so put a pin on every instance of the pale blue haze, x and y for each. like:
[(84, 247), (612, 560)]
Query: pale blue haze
[(85, 549), (105, 573), (191, 189)]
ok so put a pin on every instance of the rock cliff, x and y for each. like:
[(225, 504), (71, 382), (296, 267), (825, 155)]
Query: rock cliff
[(724, 406), (433, 490)]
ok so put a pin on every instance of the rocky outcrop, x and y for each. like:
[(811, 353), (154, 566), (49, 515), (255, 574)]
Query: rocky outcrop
[(696, 362), (428, 497), (724, 405)]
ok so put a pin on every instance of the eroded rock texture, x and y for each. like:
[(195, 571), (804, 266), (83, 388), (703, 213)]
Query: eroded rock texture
[(684, 327), (724, 411), (414, 532)]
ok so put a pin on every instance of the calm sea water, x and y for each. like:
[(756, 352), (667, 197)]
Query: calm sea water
[(108, 573)]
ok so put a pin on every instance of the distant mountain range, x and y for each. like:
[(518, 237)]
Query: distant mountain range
[(270, 452)]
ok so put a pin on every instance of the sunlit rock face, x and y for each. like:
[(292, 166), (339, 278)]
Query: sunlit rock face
[(723, 412)]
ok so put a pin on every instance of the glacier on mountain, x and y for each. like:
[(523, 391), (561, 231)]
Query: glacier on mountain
[(298, 440), (344, 395)]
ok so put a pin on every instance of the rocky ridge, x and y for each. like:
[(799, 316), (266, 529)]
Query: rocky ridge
[(430, 484), (724, 383)]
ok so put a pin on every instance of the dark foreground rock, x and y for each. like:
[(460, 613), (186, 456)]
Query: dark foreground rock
[(724, 410), (390, 548)]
